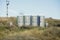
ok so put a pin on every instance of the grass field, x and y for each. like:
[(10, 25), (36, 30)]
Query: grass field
[(52, 33), (34, 33)]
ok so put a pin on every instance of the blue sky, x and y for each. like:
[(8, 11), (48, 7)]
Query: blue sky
[(47, 8)]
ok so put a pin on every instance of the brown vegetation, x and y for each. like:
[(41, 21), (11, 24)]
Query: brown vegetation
[(38, 33), (52, 33)]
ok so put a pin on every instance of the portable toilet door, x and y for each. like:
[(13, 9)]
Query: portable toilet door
[(34, 21), (42, 21), (38, 20), (27, 20), (20, 21)]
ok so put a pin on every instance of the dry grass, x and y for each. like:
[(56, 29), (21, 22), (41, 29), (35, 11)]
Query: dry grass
[(14, 33), (52, 33)]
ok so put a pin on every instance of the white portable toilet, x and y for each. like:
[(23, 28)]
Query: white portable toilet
[(34, 21), (27, 20), (42, 21), (20, 21)]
